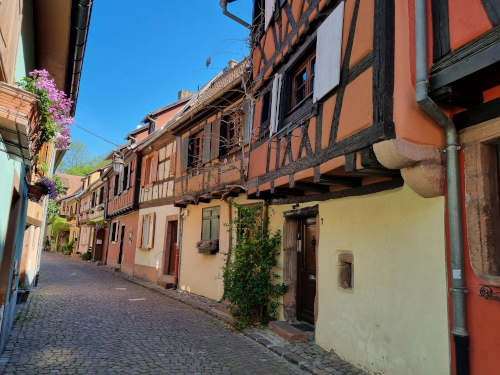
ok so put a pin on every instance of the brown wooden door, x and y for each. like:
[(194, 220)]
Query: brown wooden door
[(306, 267), (170, 257), (98, 246)]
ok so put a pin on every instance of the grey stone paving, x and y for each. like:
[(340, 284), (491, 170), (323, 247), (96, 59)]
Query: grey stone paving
[(84, 321)]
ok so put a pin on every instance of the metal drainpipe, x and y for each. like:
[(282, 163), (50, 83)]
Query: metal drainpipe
[(223, 5), (179, 246), (454, 193)]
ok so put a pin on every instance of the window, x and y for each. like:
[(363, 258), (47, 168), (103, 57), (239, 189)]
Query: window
[(303, 80), (145, 231), (125, 177), (114, 231), (265, 114), (346, 269), (116, 184), (210, 224), (229, 133), (101, 195), (92, 204), (194, 150)]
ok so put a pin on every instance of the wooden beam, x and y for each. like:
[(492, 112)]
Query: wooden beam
[(287, 191), (311, 186), (347, 181)]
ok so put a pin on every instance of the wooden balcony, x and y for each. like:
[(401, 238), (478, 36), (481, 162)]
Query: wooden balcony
[(19, 122)]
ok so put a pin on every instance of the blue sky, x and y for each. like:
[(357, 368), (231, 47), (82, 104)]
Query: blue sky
[(139, 56)]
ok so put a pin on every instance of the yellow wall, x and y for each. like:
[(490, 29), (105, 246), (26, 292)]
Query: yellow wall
[(201, 273), (154, 257), (395, 319)]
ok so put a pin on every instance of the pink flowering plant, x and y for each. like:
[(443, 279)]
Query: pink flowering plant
[(55, 108)]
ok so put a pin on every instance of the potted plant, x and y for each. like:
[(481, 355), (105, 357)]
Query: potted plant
[(22, 293), (208, 246)]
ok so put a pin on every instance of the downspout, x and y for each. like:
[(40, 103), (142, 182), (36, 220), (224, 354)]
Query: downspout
[(223, 5), (179, 246), (454, 193)]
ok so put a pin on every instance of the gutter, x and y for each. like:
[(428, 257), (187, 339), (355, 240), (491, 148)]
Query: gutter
[(80, 21), (223, 5), (454, 193)]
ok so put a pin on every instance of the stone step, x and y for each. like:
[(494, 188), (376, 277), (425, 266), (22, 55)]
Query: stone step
[(288, 332)]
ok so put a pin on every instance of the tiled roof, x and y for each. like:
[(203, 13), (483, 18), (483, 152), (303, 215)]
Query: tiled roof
[(71, 182)]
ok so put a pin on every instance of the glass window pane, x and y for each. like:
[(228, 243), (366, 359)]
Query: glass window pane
[(205, 230)]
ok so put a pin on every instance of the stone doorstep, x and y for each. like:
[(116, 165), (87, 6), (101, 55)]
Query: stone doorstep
[(288, 332)]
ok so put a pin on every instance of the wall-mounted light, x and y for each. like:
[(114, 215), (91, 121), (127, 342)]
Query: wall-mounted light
[(117, 162)]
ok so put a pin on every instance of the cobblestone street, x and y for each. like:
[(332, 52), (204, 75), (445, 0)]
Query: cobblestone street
[(81, 320)]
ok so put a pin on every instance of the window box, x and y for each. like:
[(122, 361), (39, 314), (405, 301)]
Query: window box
[(208, 246)]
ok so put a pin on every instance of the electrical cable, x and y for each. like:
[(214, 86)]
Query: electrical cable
[(96, 135)]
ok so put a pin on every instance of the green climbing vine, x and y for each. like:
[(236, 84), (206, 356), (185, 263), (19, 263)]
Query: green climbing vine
[(250, 285)]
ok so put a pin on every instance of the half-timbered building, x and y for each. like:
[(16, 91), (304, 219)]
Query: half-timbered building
[(156, 257), (122, 203), (212, 138), (334, 100)]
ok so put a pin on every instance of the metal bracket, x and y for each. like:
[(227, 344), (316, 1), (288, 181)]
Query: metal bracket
[(489, 292)]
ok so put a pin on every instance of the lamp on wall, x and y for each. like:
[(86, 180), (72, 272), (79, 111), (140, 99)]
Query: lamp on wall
[(118, 161)]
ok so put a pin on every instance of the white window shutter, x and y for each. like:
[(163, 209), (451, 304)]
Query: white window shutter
[(269, 10), (275, 104), (328, 53)]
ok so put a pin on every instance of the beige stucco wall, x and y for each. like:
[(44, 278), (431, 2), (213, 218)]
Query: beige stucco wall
[(154, 257), (395, 320), (200, 273)]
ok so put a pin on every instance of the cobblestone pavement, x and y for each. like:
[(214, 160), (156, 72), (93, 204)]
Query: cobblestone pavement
[(84, 321)]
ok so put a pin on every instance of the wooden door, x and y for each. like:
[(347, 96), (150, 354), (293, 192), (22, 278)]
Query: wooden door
[(98, 246), (122, 238), (306, 267), (170, 252)]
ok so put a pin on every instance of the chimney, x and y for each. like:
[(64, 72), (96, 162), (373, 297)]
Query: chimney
[(183, 94), (232, 63)]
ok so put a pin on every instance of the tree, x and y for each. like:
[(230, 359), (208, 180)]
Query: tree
[(77, 161)]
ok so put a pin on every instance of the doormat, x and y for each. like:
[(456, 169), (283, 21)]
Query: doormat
[(304, 327)]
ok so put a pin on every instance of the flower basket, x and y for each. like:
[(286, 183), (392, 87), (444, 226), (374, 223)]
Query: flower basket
[(35, 192), (208, 247)]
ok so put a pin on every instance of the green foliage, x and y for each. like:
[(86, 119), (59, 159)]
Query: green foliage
[(58, 224), (77, 162), (53, 210), (250, 285), (67, 249), (87, 256)]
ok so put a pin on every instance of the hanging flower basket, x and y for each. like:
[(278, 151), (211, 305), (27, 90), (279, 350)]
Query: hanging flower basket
[(35, 192)]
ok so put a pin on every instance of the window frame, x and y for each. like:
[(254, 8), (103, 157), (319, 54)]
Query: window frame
[(230, 143), (195, 160), (265, 122), (307, 63)]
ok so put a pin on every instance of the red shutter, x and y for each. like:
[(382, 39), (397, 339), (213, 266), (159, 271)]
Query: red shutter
[(139, 232), (143, 172), (151, 231), (172, 164), (154, 163)]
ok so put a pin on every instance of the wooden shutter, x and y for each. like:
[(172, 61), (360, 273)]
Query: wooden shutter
[(275, 104), (248, 107), (129, 175), (139, 232), (215, 139), (268, 11), (172, 164), (151, 230), (154, 163), (328, 53), (184, 153), (207, 140), (143, 172)]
